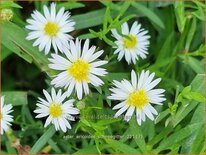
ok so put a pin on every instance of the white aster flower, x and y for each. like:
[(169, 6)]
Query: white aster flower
[(132, 43), (5, 118), (78, 68), (57, 111), (50, 29), (137, 95)]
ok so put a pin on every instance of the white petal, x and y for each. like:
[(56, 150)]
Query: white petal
[(125, 28), (120, 111), (138, 116), (48, 121), (129, 113), (134, 79), (120, 105), (48, 97), (79, 90), (148, 113), (152, 84)]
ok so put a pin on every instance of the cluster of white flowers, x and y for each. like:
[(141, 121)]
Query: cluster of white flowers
[(78, 67)]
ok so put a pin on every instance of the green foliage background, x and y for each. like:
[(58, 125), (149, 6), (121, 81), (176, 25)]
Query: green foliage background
[(176, 54)]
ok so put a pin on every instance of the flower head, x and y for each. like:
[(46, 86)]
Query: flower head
[(50, 29), (132, 43), (6, 14), (56, 109), (78, 68), (137, 95), (5, 118)]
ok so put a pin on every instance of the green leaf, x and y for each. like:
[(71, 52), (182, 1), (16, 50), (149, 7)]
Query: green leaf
[(5, 52), (200, 12), (103, 122), (14, 39), (15, 98), (180, 15), (198, 142), (137, 135), (162, 115), (87, 36), (160, 64), (193, 143), (149, 14), (40, 143), (9, 4), (164, 53), (197, 85), (177, 137), (115, 76), (121, 146), (54, 146), (197, 97), (89, 19), (88, 150), (9, 148), (7, 42), (70, 5), (191, 33), (196, 65)]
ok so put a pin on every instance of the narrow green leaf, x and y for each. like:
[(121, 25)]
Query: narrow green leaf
[(162, 115), (70, 5), (164, 132), (15, 36), (138, 136), (164, 53), (196, 65), (15, 98), (121, 146), (9, 4), (197, 97), (191, 33), (6, 41), (194, 142), (178, 136), (10, 149), (115, 76), (198, 142), (54, 146), (87, 36), (180, 15), (197, 85), (5, 52), (89, 19), (40, 143), (149, 14), (87, 150)]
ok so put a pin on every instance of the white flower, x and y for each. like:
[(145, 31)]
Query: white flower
[(137, 95), (133, 44), (50, 29), (57, 111), (5, 118), (78, 68)]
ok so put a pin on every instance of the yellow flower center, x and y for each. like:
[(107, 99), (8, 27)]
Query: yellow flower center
[(130, 41), (55, 110), (138, 99), (51, 29), (79, 70)]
